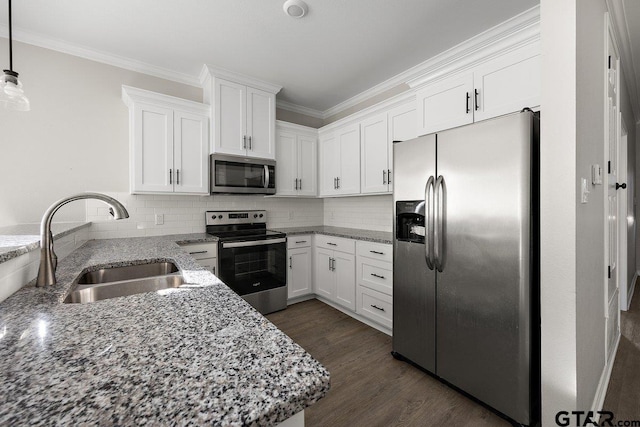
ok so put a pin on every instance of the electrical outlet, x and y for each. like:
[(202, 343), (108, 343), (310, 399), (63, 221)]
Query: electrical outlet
[(159, 219)]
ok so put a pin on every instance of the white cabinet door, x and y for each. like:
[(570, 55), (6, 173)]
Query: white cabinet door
[(299, 277), (345, 277), (287, 162), (260, 122), (374, 151), (230, 112), (348, 140), (325, 282), (508, 83), (329, 164), (445, 104), (152, 159), (402, 127), (209, 263), (191, 153), (307, 169)]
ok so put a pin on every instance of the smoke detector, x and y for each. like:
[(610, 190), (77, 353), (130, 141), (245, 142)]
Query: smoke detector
[(295, 8)]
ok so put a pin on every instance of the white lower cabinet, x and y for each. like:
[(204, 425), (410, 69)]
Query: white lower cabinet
[(374, 272), (335, 270), (205, 254), (299, 273)]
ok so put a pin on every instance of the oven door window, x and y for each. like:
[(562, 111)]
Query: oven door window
[(243, 175), (252, 269)]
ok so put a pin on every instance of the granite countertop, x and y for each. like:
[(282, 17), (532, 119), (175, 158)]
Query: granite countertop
[(192, 355), (16, 240), (349, 233)]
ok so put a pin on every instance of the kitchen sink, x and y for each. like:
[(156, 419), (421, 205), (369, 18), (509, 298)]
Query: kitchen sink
[(117, 274), (124, 281)]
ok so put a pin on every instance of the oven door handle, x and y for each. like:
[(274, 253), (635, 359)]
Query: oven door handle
[(253, 243)]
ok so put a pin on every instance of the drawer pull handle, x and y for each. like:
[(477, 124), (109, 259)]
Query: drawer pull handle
[(198, 252), (377, 252), (301, 241), (377, 275), (332, 244), (377, 308)]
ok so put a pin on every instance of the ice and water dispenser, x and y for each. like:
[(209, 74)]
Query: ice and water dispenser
[(410, 225)]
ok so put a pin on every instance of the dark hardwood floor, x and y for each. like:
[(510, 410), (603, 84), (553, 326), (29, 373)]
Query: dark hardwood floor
[(623, 394), (368, 386)]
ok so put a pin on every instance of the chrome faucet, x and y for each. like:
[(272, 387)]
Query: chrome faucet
[(48, 258)]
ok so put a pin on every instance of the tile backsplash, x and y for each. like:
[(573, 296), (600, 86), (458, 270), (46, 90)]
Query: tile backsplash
[(185, 214), (363, 212)]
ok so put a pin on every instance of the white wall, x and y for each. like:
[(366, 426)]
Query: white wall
[(558, 198), (74, 139)]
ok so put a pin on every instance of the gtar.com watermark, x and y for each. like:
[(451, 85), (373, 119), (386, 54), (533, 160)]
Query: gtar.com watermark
[(592, 418)]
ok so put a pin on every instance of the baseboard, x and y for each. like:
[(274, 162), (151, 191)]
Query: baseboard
[(601, 392), (630, 290), (302, 298), (355, 316)]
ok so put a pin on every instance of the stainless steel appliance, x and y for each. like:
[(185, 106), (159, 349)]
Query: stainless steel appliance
[(465, 273), (251, 259), (242, 175)]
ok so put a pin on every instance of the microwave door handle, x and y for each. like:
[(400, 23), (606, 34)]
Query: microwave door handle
[(267, 176)]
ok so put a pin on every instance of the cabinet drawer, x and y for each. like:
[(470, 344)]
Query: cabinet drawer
[(375, 306), (301, 241), (377, 275), (336, 243), (380, 251), (201, 250)]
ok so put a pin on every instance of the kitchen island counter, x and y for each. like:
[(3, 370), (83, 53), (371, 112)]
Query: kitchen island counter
[(198, 354)]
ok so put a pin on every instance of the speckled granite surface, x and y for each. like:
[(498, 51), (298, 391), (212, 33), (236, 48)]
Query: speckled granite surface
[(349, 233), (20, 239), (193, 355)]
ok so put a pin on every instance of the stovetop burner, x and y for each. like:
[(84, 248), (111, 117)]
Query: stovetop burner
[(239, 225)]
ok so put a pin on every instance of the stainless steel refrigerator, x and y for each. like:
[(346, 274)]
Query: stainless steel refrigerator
[(465, 265)]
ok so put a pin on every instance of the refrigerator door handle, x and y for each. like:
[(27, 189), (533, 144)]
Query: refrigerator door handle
[(440, 222), (428, 244)]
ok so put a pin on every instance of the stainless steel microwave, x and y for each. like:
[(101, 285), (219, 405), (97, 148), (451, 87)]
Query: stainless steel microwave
[(242, 175)]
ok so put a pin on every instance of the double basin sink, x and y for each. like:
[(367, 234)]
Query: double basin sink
[(123, 281)]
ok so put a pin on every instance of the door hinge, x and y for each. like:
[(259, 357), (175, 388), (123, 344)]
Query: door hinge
[(609, 271), (609, 61), (609, 166)]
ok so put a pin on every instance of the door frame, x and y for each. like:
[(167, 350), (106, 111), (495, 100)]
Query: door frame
[(623, 285)]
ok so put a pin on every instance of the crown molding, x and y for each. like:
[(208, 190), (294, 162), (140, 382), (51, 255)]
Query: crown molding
[(618, 20), (211, 71), (132, 95), (295, 108), (282, 125), (387, 104), (39, 40)]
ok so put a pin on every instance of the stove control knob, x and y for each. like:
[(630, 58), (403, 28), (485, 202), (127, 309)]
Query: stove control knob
[(255, 215), (219, 216), (213, 217), (261, 215)]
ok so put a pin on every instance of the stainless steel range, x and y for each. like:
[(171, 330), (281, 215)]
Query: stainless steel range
[(251, 259)]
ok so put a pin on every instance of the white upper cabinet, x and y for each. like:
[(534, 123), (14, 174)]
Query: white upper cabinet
[(296, 160), (504, 84), (169, 140), (340, 161), (243, 112), (374, 154), (446, 104)]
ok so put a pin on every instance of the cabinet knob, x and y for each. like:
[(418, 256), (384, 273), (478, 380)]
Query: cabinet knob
[(623, 185)]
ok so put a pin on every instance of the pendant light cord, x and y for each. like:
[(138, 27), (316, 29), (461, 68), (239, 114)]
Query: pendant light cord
[(10, 41)]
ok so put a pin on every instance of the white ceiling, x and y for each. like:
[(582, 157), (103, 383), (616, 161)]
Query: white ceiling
[(341, 48)]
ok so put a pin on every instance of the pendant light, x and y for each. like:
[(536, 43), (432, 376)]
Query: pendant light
[(11, 95)]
